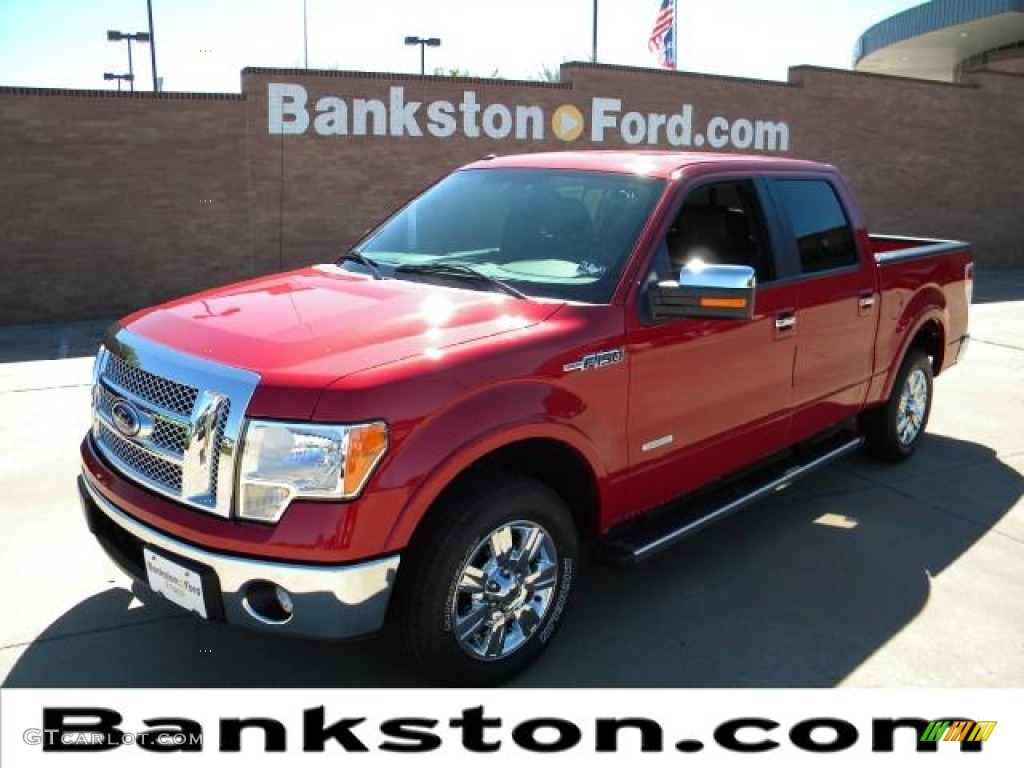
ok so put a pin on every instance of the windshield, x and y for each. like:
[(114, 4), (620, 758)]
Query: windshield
[(550, 233)]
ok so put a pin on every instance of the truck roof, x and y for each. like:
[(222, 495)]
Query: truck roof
[(657, 163)]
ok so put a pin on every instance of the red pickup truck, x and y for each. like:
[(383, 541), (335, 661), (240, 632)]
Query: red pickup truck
[(541, 350)]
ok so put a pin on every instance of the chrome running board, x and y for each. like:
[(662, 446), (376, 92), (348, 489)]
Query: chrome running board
[(637, 542)]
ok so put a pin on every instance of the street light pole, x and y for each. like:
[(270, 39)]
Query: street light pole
[(142, 37), (423, 42), (131, 69), (593, 50), (119, 78)]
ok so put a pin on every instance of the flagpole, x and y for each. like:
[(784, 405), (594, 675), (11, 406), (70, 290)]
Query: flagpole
[(593, 49), (675, 35), (305, 37)]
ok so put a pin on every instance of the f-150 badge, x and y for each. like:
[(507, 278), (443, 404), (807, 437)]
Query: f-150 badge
[(595, 360)]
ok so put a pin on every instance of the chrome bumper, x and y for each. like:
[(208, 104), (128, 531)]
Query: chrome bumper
[(328, 601)]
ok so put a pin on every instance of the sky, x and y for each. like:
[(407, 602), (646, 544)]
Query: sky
[(202, 45)]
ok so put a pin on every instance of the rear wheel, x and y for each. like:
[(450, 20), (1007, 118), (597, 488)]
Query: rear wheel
[(894, 429), (482, 590)]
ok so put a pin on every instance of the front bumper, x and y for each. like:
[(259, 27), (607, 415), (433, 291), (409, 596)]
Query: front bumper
[(332, 602)]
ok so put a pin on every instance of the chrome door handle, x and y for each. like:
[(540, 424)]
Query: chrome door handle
[(785, 323), (867, 302)]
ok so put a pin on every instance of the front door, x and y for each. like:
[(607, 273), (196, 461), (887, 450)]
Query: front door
[(710, 396)]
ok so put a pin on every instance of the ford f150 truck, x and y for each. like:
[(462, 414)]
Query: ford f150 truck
[(538, 351)]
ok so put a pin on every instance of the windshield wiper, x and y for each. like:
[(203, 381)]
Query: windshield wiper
[(457, 270), (366, 261)]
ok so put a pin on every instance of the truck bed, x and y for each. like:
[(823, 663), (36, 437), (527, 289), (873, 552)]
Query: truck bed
[(889, 248), (921, 278)]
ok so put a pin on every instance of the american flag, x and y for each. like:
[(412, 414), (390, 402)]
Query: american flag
[(663, 36)]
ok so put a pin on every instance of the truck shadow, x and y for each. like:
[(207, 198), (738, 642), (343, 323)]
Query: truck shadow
[(796, 592), (51, 341), (994, 284)]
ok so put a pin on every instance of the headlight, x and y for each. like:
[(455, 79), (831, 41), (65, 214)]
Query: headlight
[(284, 461)]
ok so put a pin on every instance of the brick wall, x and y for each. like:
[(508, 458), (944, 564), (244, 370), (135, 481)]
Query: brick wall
[(102, 200), (111, 202), (1007, 61)]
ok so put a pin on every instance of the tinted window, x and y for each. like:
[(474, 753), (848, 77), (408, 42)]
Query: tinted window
[(554, 233), (719, 224), (823, 234)]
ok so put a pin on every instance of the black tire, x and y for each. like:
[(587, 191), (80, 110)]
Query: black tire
[(882, 426), (428, 608)]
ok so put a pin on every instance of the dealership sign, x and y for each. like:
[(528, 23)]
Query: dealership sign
[(290, 111)]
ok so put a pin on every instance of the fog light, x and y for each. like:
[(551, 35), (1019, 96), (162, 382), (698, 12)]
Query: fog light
[(285, 600), (268, 603)]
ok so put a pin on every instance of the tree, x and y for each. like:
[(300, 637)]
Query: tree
[(549, 74), (460, 72)]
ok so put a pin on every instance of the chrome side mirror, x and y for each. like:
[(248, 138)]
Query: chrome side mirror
[(724, 291)]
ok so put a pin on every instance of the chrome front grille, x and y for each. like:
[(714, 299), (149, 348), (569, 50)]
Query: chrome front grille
[(169, 421), (171, 436), (168, 395), (218, 438), (160, 472)]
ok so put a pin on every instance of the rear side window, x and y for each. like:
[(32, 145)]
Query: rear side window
[(823, 233)]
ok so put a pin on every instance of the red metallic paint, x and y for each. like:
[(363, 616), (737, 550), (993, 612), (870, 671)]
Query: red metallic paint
[(721, 388), (914, 293), (302, 330), (493, 392), (459, 374)]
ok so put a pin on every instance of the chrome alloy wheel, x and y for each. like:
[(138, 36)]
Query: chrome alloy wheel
[(913, 402), (505, 590)]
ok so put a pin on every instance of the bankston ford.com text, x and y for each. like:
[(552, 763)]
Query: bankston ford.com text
[(289, 111)]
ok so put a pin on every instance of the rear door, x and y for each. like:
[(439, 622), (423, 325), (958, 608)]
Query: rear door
[(836, 299)]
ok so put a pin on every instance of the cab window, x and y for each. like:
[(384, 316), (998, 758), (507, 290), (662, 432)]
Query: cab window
[(718, 223)]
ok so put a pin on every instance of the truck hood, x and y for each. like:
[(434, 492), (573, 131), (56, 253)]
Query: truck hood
[(301, 331)]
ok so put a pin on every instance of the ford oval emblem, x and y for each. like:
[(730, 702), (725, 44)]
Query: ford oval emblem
[(126, 418)]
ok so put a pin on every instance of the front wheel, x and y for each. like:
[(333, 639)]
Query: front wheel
[(894, 429), (482, 591)]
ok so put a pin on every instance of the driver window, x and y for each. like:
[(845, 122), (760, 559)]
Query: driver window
[(719, 224)]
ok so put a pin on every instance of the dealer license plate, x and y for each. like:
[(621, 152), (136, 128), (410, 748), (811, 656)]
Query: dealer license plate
[(177, 584)]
